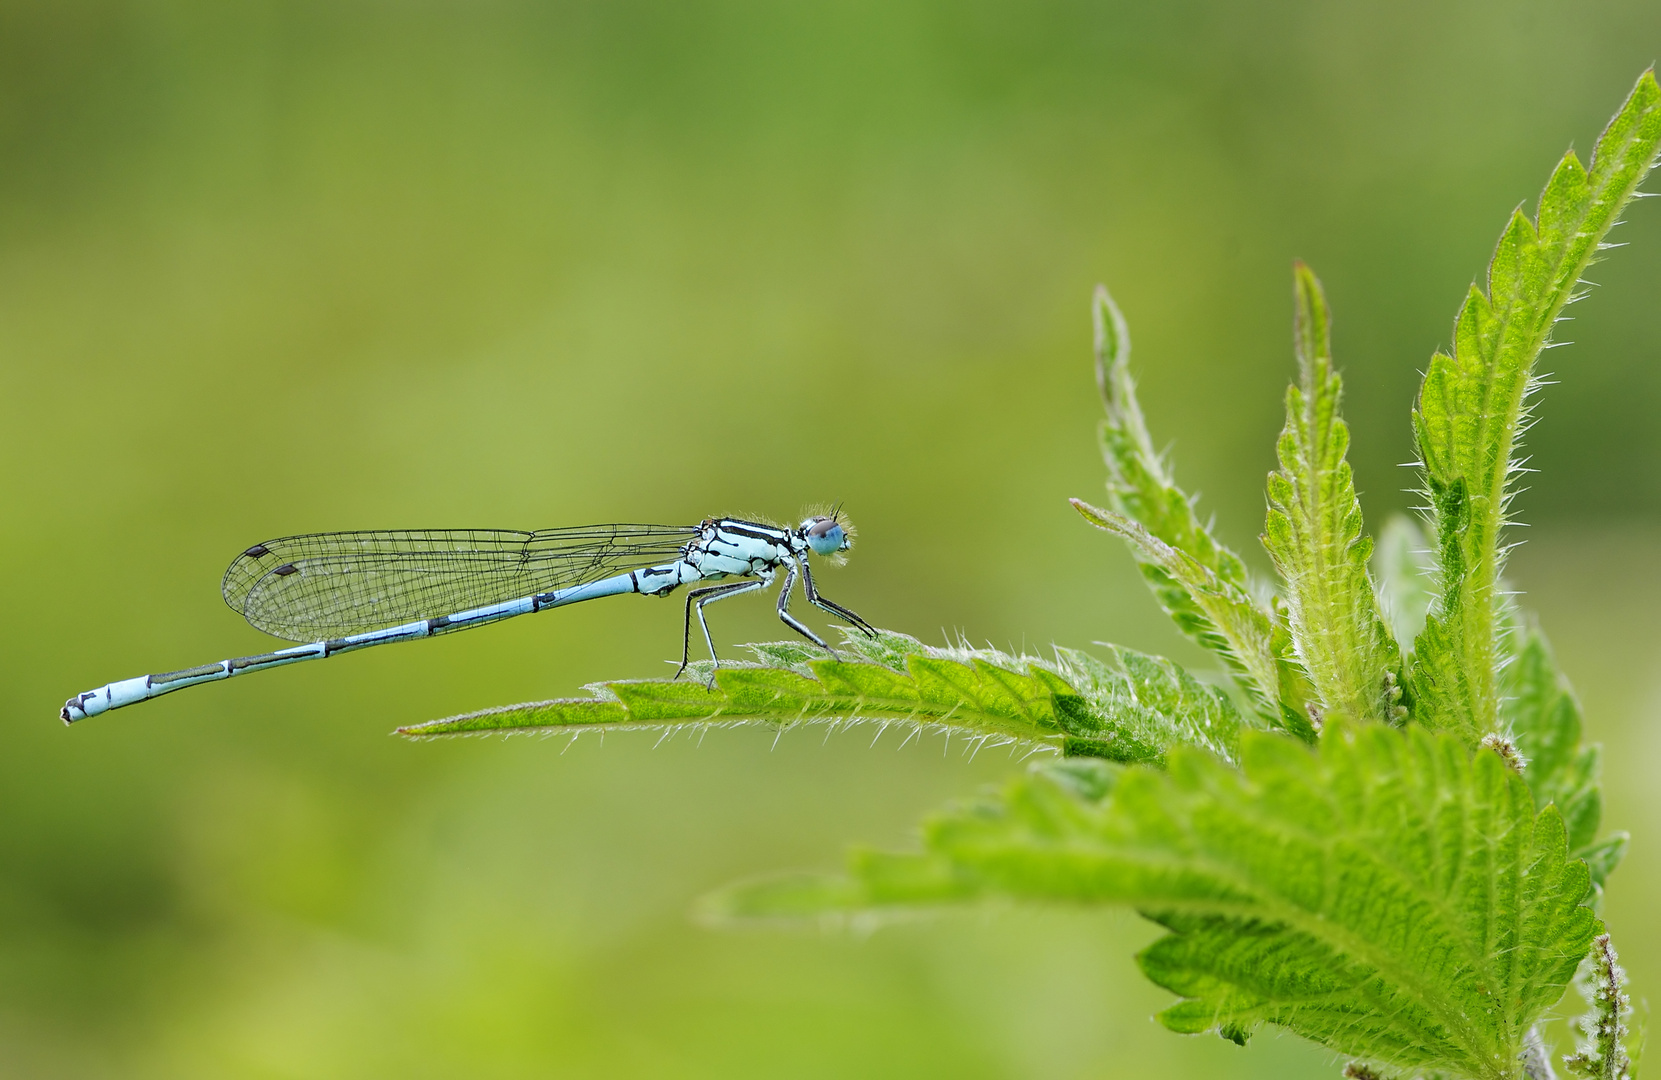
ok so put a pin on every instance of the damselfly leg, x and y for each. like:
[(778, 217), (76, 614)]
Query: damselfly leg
[(831, 606), (697, 598), (784, 609)]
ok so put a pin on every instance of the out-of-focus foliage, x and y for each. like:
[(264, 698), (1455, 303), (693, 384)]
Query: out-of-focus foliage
[(273, 268), (1544, 720), (1404, 567)]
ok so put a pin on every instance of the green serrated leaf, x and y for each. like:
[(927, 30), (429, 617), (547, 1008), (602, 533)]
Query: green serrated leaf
[(1219, 614), (1543, 717), (868, 682), (1128, 708), (1140, 488), (1154, 702), (755, 691), (887, 649), (787, 654), (1472, 406), (1602, 856), (1140, 485), (1313, 534), (659, 699), (1391, 896), (565, 712)]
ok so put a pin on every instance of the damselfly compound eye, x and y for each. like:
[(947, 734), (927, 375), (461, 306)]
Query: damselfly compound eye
[(824, 535)]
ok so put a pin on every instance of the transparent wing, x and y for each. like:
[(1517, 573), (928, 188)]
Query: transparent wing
[(329, 585)]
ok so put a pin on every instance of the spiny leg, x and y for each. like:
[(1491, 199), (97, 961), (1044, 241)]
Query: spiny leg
[(791, 620), (698, 598), (831, 606)]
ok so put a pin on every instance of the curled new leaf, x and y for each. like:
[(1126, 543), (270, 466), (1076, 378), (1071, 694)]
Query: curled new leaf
[(1313, 533)]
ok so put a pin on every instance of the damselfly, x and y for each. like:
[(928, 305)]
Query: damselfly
[(350, 590)]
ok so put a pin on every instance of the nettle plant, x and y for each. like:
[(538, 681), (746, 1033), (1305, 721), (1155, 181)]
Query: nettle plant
[(1383, 835)]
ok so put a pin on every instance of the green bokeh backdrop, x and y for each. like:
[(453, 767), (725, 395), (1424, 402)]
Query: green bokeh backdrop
[(271, 268)]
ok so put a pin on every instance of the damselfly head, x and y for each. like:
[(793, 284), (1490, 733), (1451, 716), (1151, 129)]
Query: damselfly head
[(827, 535)]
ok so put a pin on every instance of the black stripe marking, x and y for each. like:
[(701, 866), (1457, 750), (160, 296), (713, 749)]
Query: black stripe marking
[(770, 536), (188, 673)]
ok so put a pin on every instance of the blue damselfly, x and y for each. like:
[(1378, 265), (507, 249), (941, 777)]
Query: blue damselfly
[(350, 590)]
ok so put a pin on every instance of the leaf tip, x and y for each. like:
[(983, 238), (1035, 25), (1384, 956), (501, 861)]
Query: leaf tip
[(1111, 338), (1093, 514)]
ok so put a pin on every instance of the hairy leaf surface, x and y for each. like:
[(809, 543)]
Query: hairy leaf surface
[(1209, 595), (1313, 533), (1393, 896), (1140, 485), (1472, 405), (1128, 707), (1221, 614)]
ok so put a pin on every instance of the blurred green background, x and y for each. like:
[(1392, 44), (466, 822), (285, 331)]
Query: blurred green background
[(273, 268)]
